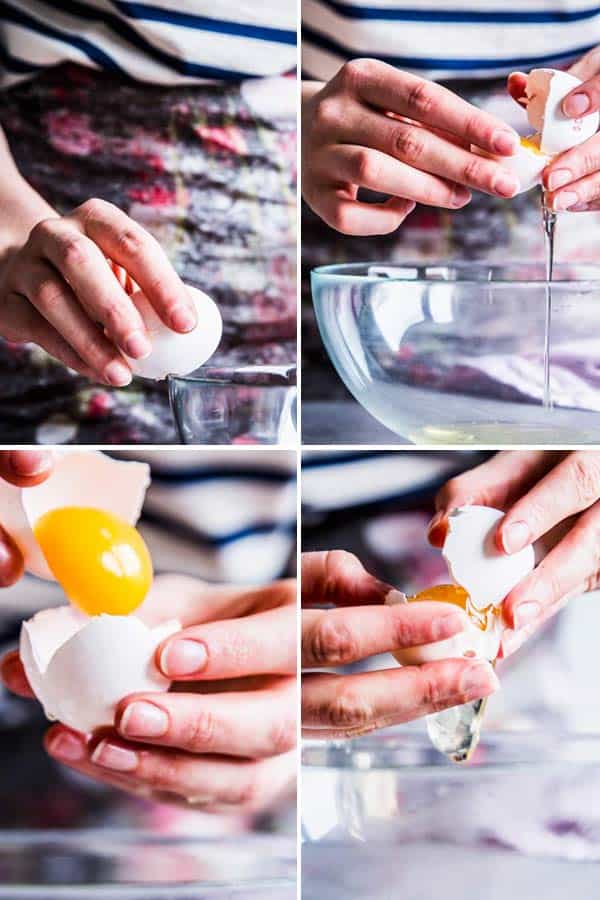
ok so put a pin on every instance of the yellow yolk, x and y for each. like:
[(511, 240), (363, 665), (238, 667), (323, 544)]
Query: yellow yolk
[(530, 144), (100, 560), (453, 593)]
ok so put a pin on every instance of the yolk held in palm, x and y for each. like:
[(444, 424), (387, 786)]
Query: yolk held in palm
[(453, 593), (100, 560)]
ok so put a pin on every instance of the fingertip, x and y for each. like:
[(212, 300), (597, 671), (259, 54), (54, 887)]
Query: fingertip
[(26, 468), (576, 104), (438, 529), (13, 675), (12, 564)]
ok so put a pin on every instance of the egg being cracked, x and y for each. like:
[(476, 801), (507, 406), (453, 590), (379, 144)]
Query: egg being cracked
[(80, 668), (554, 132), (482, 575), (174, 353)]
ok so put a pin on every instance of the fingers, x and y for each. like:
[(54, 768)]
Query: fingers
[(338, 577), (246, 785), (495, 482), (13, 675), (89, 286), (569, 487), (347, 705), (393, 90), (380, 172), (251, 724), (570, 568), (517, 82), (56, 302), (132, 247), (340, 636), (25, 468), (425, 150), (264, 643), (352, 217), (585, 98)]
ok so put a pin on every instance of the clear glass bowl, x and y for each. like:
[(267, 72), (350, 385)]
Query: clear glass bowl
[(388, 817), (456, 353), (98, 865), (236, 405)]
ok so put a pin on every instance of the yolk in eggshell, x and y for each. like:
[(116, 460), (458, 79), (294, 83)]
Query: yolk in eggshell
[(454, 593), (99, 559)]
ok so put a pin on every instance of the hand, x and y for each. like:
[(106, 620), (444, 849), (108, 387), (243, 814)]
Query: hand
[(373, 126), (339, 706), (223, 739), (552, 495), (23, 468), (572, 180), (59, 290)]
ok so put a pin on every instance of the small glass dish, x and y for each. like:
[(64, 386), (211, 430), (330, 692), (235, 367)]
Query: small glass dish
[(467, 353), (122, 865), (235, 405), (387, 816)]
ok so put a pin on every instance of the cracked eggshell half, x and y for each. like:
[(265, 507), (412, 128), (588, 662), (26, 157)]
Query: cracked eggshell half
[(527, 163), (80, 478), (474, 561), (80, 668), (472, 642), (545, 91), (174, 353)]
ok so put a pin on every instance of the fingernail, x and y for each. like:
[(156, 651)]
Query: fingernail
[(137, 345), (30, 462), (183, 657), (505, 142), (183, 320), (110, 756), (67, 747), (394, 597), (143, 720), (564, 201), (559, 178), (506, 185), (479, 680), (117, 373), (525, 614), (515, 536), (576, 105), (460, 197), (447, 625)]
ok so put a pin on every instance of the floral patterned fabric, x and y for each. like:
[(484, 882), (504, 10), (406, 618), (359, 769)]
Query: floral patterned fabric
[(212, 180)]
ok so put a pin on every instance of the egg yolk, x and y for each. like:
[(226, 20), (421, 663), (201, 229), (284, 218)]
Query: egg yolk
[(530, 144), (453, 593), (100, 560)]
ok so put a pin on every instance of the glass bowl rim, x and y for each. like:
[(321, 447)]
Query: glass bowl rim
[(338, 272), (248, 369)]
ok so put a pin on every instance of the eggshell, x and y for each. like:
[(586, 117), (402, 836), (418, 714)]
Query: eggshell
[(472, 642), (80, 668), (80, 478), (474, 561), (544, 92), (526, 164), (173, 353)]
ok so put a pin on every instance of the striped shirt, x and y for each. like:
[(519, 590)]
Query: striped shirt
[(159, 41), (445, 39)]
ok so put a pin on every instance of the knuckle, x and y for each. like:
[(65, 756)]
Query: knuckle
[(113, 316), (282, 737), (430, 693), (328, 114), (162, 772), (366, 168), (131, 242), (476, 172), (94, 208), (408, 143), (356, 71), (347, 711), (48, 295), (420, 100), (336, 564), (585, 473), (198, 732), (71, 250), (42, 230), (331, 643)]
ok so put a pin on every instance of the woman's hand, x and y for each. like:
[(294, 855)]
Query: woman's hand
[(23, 468), (58, 289), (572, 180), (554, 495), (373, 126), (223, 739), (338, 706)]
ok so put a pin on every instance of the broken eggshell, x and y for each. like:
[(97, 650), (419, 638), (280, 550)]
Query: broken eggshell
[(174, 353), (80, 668), (545, 91), (474, 561), (80, 478), (527, 163), (472, 642)]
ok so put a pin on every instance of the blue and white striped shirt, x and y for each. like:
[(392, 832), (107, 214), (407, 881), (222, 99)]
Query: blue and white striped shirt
[(159, 41), (445, 39)]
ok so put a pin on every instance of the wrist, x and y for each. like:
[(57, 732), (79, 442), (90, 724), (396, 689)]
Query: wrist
[(21, 208)]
